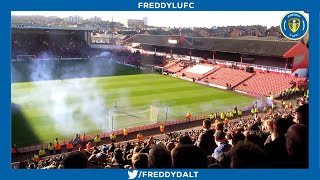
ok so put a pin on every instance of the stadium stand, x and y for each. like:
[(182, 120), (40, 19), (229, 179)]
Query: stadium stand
[(56, 46), (276, 83), (228, 75)]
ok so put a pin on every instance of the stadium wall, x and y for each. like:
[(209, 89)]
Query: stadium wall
[(300, 55)]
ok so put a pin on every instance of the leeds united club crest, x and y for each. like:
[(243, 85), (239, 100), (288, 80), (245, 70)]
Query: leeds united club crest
[(294, 25)]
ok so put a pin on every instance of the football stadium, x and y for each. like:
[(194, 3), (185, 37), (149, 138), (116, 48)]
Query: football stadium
[(219, 100)]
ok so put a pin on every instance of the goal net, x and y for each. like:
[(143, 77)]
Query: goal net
[(26, 57), (131, 117)]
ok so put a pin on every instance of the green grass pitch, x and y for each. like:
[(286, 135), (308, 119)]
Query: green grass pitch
[(55, 108)]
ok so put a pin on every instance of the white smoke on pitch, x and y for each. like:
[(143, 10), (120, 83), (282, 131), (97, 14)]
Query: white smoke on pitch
[(72, 105)]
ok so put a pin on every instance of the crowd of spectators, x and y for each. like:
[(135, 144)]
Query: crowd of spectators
[(138, 59), (53, 46), (278, 139)]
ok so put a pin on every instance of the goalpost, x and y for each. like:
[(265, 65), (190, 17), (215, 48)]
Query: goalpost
[(130, 117), (26, 57)]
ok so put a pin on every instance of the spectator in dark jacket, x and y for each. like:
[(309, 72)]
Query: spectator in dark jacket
[(247, 155), (302, 114), (189, 156), (159, 157), (297, 146), (75, 160), (276, 149), (206, 139)]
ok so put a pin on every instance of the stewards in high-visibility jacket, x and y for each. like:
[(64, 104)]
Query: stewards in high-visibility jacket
[(36, 158), (88, 146), (240, 113), (125, 134), (231, 114), (42, 152), (139, 137), (227, 114), (57, 148), (161, 128), (222, 116), (56, 141), (188, 116), (283, 103), (69, 147), (97, 140), (211, 117), (113, 137), (234, 111), (84, 139), (265, 109), (252, 111), (50, 148)]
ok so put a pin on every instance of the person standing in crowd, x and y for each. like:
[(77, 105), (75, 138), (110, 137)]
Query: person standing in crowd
[(216, 117), (224, 145), (56, 141), (57, 148), (42, 152), (239, 113), (139, 137), (297, 146), (88, 146), (265, 109), (69, 147), (222, 116), (50, 148), (97, 140), (84, 139), (211, 117), (113, 137), (125, 134), (188, 117), (162, 130), (206, 138), (14, 151), (252, 111)]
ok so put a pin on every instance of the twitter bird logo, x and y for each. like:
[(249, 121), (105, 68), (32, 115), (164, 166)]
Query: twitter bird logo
[(132, 174)]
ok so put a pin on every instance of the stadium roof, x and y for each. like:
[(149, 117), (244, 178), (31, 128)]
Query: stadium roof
[(253, 47), (45, 27)]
